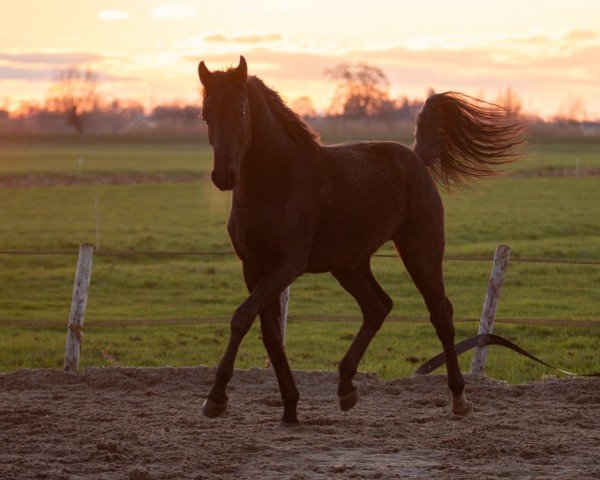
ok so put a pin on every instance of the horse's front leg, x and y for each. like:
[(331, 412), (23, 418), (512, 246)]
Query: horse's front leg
[(270, 326), (268, 287)]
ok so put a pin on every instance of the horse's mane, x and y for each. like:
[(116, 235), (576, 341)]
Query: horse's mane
[(296, 128), (291, 123)]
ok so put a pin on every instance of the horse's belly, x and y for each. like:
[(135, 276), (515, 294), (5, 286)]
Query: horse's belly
[(342, 250)]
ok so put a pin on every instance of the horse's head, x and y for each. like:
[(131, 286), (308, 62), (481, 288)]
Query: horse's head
[(226, 112)]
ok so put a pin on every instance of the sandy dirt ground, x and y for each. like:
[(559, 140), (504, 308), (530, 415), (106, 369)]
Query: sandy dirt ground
[(143, 423)]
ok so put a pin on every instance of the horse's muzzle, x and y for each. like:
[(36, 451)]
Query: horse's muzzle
[(223, 181)]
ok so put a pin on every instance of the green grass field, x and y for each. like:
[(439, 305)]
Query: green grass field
[(537, 217), (66, 155)]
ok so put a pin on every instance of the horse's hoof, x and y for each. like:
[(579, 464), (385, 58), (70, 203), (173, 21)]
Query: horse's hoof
[(289, 420), (348, 400), (212, 409), (460, 405)]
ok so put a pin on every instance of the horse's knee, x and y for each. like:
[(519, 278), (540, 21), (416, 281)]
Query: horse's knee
[(270, 332), (242, 320), (271, 342)]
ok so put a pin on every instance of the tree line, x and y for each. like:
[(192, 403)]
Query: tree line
[(362, 92)]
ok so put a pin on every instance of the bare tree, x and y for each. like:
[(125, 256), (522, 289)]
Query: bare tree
[(572, 110), (74, 94), (362, 91), (511, 101), (303, 106)]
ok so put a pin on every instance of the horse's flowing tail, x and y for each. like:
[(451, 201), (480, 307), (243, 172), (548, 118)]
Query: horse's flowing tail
[(461, 138)]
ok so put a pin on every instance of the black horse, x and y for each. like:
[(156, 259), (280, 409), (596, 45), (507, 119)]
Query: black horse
[(299, 206)]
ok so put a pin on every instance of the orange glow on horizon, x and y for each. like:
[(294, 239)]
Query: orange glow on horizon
[(148, 51)]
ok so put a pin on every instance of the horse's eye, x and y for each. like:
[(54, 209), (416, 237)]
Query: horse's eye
[(241, 114)]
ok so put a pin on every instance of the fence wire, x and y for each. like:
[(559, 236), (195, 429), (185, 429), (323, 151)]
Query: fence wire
[(141, 322), (155, 322), (167, 253)]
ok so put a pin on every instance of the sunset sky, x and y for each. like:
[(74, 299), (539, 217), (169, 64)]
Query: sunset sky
[(548, 51)]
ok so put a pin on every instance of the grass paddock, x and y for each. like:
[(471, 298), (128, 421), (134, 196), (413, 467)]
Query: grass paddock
[(539, 216)]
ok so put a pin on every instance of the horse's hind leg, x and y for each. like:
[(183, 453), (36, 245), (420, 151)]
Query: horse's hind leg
[(375, 305), (422, 253), (271, 336)]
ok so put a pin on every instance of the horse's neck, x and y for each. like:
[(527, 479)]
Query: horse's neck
[(269, 138), (267, 165)]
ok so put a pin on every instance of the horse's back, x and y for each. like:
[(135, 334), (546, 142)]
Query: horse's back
[(382, 161), (378, 173)]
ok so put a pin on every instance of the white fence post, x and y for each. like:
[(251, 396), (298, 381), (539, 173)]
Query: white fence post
[(284, 299), (80, 294), (486, 323)]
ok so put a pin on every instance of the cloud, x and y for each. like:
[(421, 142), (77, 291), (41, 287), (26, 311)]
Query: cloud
[(43, 66), (173, 11), (44, 75), (535, 61), (576, 35), (250, 38), (51, 58), (113, 14), (31, 75), (217, 37)]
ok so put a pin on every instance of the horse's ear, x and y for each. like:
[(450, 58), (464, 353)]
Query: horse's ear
[(204, 74), (241, 72)]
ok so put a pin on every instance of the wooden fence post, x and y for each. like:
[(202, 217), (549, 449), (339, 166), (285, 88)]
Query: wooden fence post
[(486, 323), (80, 294), (284, 299)]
